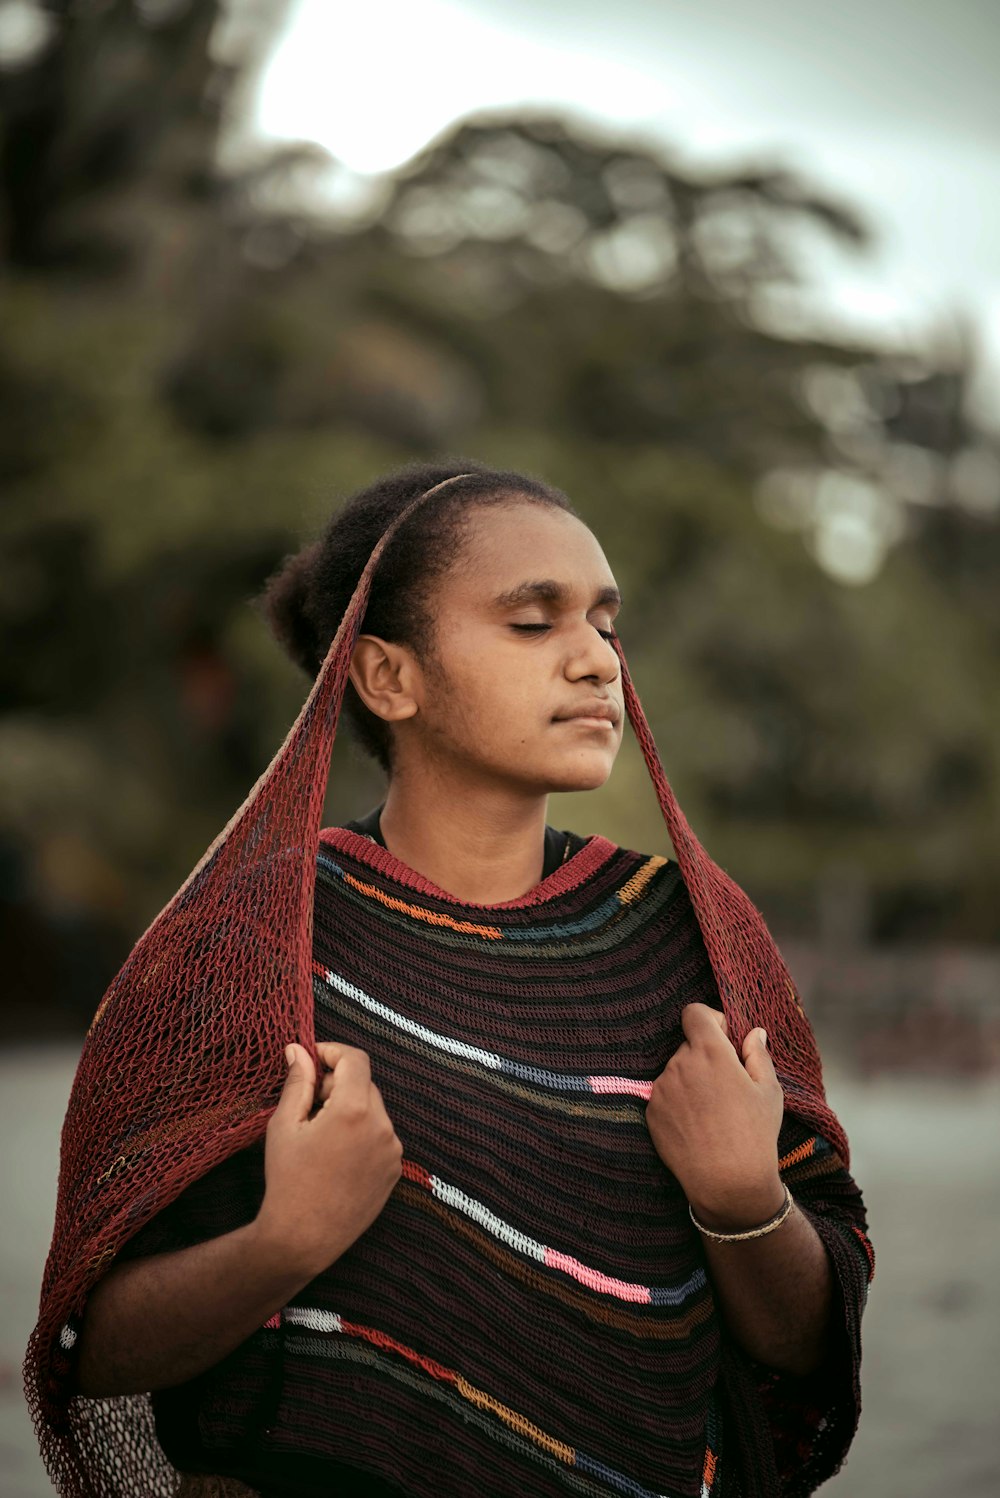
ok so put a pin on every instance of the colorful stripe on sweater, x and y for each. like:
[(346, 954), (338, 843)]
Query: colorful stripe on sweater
[(604, 1284), (328, 1323), (540, 1076), (629, 892)]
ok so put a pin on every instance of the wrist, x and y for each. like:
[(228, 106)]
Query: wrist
[(284, 1257), (740, 1210)]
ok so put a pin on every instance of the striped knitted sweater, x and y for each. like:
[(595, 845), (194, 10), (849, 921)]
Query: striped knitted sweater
[(531, 1313)]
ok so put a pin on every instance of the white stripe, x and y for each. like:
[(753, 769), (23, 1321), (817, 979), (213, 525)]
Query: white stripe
[(309, 1316), (443, 1042), (67, 1338), (487, 1219), (453, 1197)]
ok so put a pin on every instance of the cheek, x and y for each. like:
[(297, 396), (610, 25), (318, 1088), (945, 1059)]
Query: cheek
[(486, 677), (461, 704), (490, 693)]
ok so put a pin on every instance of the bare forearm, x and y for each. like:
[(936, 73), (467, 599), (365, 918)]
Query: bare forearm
[(331, 1159), (775, 1292), (159, 1321)]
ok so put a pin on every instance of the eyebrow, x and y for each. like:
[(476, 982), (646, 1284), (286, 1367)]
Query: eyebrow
[(547, 590)]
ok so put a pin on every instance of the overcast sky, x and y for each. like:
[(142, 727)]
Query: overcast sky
[(893, 104)]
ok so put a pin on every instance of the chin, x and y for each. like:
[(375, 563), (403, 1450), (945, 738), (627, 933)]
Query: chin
[(581, 776)]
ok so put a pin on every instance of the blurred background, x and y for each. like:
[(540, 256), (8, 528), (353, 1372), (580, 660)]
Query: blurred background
[(728, 275)]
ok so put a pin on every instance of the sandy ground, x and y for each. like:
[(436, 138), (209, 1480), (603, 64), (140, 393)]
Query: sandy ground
[(927, 1157)]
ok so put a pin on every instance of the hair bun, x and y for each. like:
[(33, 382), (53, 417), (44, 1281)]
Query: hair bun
[(286, 603)]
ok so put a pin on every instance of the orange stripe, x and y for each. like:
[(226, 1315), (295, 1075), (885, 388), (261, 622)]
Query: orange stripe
[(491, 933), (819, 1165), (709, 1473), (517, 1422), (869, 1251), (468, 1391), (801, 1153), (633, 888)]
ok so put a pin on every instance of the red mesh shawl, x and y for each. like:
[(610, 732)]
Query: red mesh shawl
[(184, 1060)]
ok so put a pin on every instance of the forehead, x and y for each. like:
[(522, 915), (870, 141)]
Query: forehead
[(504, 546)]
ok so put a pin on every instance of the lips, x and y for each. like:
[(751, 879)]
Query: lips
[(608, 711)]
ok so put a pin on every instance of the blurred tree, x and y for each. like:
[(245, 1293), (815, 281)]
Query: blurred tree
[(194, 365)]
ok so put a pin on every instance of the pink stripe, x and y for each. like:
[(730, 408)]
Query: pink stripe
[(620, 1084), (595, 1280)]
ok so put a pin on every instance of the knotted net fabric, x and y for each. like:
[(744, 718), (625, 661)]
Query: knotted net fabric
[(183, 1063)]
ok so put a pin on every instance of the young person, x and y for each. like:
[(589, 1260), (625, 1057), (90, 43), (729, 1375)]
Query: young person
[(546, 1217)]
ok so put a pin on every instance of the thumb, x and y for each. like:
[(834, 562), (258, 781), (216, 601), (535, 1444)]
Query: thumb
[(756, 1057), (299, 1091)]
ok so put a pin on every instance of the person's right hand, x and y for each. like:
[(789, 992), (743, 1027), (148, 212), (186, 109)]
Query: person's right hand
[(328, 1170)]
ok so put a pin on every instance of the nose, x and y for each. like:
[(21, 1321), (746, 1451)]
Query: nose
[(593, 658)]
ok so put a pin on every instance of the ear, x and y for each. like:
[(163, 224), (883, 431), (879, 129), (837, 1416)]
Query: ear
[(385, 677)]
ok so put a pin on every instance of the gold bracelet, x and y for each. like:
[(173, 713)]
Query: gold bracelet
[(765, 1227)]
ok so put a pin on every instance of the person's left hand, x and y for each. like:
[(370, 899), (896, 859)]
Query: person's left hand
[(714, 1119)]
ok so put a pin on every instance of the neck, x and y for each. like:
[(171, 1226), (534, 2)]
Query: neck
[(484, 848)]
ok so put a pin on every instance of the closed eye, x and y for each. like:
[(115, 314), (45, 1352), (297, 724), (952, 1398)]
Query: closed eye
[(605, 634)]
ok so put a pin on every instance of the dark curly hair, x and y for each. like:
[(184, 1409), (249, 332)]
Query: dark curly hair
[(305, 599)]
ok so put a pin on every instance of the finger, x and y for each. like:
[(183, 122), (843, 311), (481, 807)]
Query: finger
[(757, 1057), (299, 1091), (350, 1066), (332, 1051), (703, 1024)]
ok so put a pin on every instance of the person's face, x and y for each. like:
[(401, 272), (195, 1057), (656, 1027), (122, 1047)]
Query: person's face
[(523, 687)]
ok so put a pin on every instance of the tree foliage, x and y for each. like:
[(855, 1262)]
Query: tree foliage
[(195, 368)]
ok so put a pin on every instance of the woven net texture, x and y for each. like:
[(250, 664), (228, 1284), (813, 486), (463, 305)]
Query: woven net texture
[(183, 1063)]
